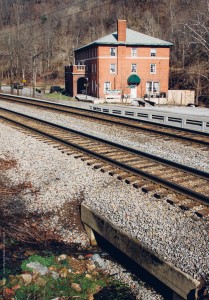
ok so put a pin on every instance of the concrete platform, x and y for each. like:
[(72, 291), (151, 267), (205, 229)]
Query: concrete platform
[(179, 282)]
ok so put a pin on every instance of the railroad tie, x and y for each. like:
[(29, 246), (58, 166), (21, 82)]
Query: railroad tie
[(123, 175), (139, 184), (189, 205), (106, 168), (91, 162), (149, 188), (131, 179), (161, 194), (203, 213)]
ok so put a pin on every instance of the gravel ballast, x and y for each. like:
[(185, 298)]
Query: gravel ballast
[(175, 151), (175, 235), (60, 180)]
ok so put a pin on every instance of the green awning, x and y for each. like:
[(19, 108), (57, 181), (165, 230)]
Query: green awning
[(133, 79)]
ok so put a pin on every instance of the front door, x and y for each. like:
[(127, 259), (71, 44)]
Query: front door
[(133, 92)]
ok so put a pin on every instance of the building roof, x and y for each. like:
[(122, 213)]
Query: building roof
[(133, 38)]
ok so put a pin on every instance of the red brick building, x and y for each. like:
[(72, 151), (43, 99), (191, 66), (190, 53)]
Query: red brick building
[(125, 62)]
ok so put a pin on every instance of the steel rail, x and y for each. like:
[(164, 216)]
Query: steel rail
[(110, 119), (175, 187)]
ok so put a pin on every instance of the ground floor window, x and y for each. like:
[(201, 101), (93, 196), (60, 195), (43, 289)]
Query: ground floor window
[(152, 87), (107, 86)]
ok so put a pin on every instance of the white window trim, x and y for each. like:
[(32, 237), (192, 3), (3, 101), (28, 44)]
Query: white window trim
[(151, 84), (114, 51), (134, 72), (153, 72), (153, 51), (132, 52), (105, 89), (112, 72)]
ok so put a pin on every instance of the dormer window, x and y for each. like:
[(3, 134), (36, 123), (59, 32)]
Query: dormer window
[(153, 52), (112, 51)]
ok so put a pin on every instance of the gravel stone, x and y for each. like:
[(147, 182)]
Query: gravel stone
[(178, 237)]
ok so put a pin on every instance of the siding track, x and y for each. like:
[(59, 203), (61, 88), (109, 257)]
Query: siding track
[(185, 136), (178, 184)]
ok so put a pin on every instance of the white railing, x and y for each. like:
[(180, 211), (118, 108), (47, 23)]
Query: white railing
[(198, 123)]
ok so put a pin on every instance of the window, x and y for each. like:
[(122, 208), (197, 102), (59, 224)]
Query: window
[(133, 68), (107, 86), (155, 87), (112, 52), (152, 87), (153, 68), (133, 52), (153, 52), (112, 68)]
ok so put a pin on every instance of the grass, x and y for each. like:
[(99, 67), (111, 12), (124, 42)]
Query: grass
[(101, 285), (55, 96), (46, 261)]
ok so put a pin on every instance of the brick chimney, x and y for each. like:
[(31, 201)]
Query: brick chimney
[(121, 30)]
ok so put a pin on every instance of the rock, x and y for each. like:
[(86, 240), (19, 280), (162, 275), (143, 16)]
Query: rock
[(90, 268), (90, 297), (8, 292), (16, 287), (81, 257), (63, 273), (38, 268), (87, 256), (52, 268), (99, 262), (54, 274), (95, 273), (3, 282), (40, 281), (88, 276), (76, 287), (27, 278), (62, 257)]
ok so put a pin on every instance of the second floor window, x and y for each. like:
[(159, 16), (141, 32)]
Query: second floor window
[(153, 52), (113, 68), (153, 68), (112, 52), (107, 86), (133, 52), (133, 68)]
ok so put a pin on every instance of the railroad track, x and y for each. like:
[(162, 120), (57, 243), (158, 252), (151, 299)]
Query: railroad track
[(185, 136), (177, 184)]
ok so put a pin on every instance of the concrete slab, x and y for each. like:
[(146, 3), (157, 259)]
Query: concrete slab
[(179, 282)]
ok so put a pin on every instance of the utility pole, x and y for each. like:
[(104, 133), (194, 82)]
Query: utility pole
[(86, 86), (34, 71)]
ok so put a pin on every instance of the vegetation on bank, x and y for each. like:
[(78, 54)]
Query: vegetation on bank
[(49, 276)]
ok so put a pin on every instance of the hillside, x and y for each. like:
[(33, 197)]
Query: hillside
[(40, 35)]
